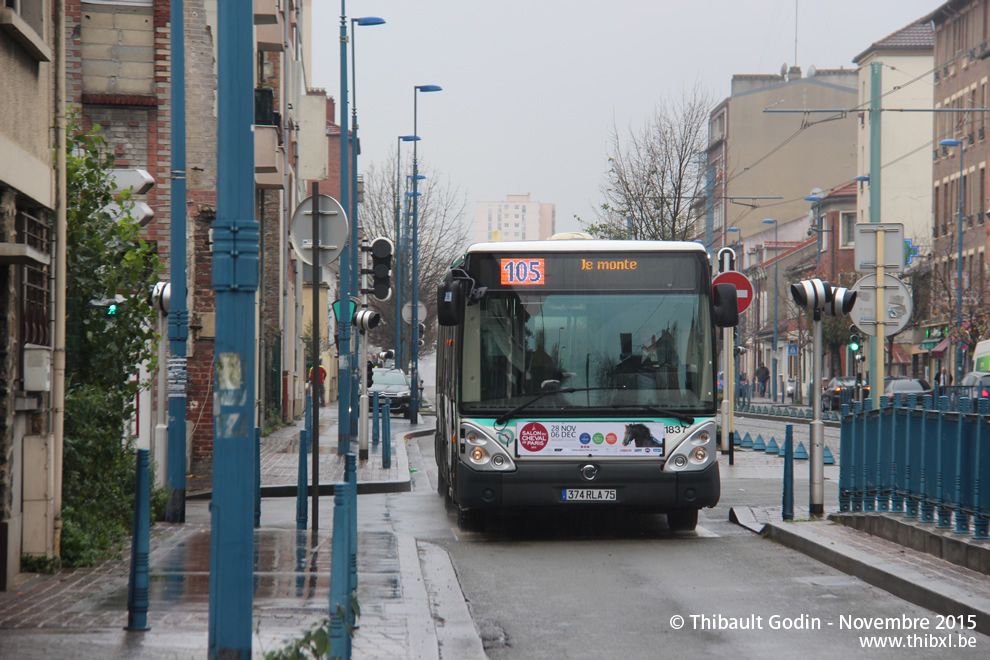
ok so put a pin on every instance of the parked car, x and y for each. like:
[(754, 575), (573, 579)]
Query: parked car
[(395, 386), (979, 382), (832, 395), (904, 385)]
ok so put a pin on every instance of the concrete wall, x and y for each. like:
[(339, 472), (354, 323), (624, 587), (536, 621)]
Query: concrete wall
[(770, 154), (118, 49), (905, 185)]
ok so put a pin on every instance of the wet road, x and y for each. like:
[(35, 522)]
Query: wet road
[(591, 584)]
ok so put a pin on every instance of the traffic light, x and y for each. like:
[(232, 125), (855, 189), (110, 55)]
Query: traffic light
[(366, 320), (381, 268), (421, 334), (112, 309), (371, 374), (854, 342)]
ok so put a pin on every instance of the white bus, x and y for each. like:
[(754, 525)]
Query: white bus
[(579, 372)]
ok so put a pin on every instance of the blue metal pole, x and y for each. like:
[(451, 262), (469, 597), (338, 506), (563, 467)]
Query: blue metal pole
[(387, 442), (235, 282), (959, 275), (301, 482), (374, 418), (788, 498), (344, 371), (257, 476), (178, 321), (414, 344), (776, 284), (397, 258), (140, 580), (340, 598), (350, 477)]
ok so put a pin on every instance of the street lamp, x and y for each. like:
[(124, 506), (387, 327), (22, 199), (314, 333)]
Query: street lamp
[(414, 367), (816, 198), (776, 251), (355, 380), (959, 272), (397, 260)]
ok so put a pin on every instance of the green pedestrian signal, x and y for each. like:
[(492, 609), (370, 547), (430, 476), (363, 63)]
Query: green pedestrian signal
[(112, 309)]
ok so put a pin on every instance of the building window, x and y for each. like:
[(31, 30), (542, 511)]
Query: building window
[(848, 229)]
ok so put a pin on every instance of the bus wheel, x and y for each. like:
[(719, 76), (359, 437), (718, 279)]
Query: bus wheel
[(471, 520), (682, 521)]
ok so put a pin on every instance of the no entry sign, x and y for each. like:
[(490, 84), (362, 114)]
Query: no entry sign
[(744, 288)]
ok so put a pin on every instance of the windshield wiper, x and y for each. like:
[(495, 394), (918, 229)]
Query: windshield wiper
[(502, 419), (684, 417)]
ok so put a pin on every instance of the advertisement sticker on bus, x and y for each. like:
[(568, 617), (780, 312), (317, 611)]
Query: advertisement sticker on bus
[(578, 437)]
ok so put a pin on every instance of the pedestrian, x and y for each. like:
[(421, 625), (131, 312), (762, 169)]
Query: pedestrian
[(943, 378), (763, 377), (321, 376)]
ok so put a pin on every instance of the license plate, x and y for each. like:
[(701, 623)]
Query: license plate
[(588, 494)]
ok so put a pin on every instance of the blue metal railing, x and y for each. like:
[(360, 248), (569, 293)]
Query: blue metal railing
[(923, 461)]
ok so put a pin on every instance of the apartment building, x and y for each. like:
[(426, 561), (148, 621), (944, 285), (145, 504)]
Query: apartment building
[(517, 218)]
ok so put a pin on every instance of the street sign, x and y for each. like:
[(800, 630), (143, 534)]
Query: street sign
[(744, 288), (333, 230), (792, 349), (898, 305), (865, 245), (407, 313)]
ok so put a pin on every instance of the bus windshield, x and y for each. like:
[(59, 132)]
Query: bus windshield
[(624, 350)]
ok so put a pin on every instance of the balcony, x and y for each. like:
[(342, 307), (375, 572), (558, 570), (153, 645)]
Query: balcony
[(270, 180), (269, 37), (266, 150), (266, 12)]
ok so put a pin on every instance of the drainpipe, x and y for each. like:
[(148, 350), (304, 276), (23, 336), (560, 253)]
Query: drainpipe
[(58, 372)]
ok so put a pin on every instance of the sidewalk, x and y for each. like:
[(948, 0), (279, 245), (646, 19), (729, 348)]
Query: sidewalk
[(411, 603), (948, 577)]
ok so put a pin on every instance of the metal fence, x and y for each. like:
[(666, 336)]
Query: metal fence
[(926, 462)]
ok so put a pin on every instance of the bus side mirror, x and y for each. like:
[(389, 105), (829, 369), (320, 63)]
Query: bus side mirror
[(450, 303), (726, 309)]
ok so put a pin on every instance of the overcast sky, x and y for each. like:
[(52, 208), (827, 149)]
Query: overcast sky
[(531, 88)]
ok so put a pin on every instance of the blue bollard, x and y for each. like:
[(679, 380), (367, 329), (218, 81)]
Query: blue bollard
[(140, 580), (350, 477), (801, 453), (828, 459), (772, 447), (387, 443), (385, 412), (788, 499), (374, 418), (747, 442), (257, 477), (340, 595), (758, 444), (302, 481)]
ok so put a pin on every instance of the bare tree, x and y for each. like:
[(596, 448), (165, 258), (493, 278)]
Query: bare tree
[(441, 237), (656, 178)]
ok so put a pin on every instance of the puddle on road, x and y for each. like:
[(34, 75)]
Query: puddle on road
[(287, 569)]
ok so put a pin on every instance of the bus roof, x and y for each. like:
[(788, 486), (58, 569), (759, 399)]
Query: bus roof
[(587, 245)]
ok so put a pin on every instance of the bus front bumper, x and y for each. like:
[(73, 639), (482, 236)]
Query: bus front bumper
[(637, 486)]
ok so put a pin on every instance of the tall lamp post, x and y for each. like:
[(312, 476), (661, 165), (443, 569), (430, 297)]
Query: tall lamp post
[(959, 269), (414, 345), (816, 198), (399, 247), (355, 287), (776, 252)]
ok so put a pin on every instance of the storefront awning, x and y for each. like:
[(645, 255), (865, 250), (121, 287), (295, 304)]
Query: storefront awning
[(939, 350), (900, 356)]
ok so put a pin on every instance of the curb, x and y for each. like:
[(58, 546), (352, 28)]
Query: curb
[(906, 583)]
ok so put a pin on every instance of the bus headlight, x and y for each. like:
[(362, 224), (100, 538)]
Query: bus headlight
[(482, 451), (695, 452)]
